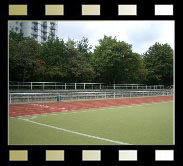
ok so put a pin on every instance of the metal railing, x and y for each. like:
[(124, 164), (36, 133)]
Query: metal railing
[(67, 86), (83, 95)]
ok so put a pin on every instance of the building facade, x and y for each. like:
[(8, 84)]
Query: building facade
[(41, 31)]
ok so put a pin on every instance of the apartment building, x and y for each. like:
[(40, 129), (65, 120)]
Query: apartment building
[(39, 30)]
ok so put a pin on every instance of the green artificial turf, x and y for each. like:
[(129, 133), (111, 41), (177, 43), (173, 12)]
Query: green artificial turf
[(140, 124)]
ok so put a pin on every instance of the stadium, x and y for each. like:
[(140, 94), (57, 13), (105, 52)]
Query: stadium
[(90, 114), (69, 92)]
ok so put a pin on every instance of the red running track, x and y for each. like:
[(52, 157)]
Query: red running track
[(31, 109)]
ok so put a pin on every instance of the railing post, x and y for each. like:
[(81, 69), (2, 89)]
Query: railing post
[(84, 86), (75, 86), (31, 85), (100, 86), (10, 98), (65, 86)]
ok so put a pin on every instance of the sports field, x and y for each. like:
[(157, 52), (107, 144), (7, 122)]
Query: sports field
[(134, 121)]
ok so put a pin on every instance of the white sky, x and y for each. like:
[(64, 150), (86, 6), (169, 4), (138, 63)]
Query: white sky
[(141, 34)]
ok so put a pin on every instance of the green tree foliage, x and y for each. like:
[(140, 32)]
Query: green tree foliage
[(54, 60), (111, 61), (24, 63), (84, 48), (159, 62), (114, 62), (15, 36), (79, 70)]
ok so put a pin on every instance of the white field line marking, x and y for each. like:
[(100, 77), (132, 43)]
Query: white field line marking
[(53, 114), (74, 132), (33, 117)]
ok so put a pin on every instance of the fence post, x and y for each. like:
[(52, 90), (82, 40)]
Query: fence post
[(10, 98), (31, 85), (100, 86), (84, 86), (65, 86), (114, 86), (75, 86), (43, 86)]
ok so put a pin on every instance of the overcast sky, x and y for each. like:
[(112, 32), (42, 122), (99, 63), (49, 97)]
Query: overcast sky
[(141, 34)]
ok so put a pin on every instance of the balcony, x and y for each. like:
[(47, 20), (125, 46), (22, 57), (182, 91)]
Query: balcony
[(44, 30), (52, 23), (35, 33), (43, 41), (45, 24), (35, 27), (53, 37), (53, 27), (44, 36), (52, 33)]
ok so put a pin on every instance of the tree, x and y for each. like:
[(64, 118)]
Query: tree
[(84, 48), (16, 36), (159, 63), (79, 70), (114, 62), (24, 63), (54, 58)]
